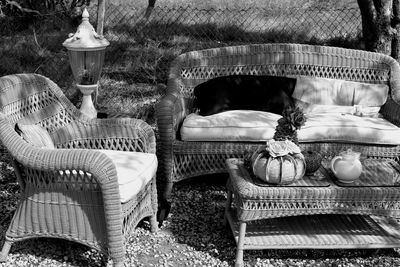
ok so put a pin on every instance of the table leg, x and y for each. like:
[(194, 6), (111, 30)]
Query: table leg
[(240, 244)]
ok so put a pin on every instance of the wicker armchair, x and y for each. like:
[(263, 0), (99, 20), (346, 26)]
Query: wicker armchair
[(84, 206), (179, 160)]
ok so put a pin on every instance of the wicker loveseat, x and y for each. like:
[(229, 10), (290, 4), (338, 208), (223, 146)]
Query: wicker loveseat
[(180, 159)]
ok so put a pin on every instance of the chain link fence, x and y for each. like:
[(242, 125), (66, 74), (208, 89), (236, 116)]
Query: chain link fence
[(142, 46)]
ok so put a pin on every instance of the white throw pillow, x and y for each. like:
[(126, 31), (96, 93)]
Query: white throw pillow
[(324, 91), (35, 135), (352, 110), (233, 125)]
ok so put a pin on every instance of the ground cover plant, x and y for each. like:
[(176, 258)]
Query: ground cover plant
[(134, 79)]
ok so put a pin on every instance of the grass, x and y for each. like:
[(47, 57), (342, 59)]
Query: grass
[(141, 50)]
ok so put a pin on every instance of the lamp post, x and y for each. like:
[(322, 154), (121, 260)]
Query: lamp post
[(86, 51)]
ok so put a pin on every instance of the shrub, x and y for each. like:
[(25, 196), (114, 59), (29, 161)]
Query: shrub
[(34, 7)]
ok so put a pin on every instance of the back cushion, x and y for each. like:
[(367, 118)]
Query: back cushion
[(323, 91), (244, 92)]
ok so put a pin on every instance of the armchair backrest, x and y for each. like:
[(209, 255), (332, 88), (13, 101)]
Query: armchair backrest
[(35, 99), (288, 60)]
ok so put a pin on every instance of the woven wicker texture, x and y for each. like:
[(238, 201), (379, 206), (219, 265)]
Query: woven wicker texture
[(320, 232), (77, 207), (323, 217), (259, 202), (179, 160)]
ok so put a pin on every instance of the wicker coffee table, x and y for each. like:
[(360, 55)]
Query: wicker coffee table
[(315, 212)]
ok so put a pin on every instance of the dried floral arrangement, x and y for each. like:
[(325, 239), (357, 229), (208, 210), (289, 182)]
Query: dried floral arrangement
[(292, 120), (285, 137)]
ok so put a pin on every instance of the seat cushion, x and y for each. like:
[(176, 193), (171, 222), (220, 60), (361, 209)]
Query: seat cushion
[(349, 128), (134, 169), (234, 125), (35, 135)]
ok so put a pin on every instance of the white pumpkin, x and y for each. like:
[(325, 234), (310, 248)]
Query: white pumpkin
[(283, 169)]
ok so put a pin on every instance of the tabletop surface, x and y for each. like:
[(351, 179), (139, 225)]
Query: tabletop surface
[(378, 176)]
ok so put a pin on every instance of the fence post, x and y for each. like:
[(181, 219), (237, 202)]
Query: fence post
[(101, 8)]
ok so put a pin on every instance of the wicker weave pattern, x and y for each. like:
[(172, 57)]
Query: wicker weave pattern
[(180, 160), (265, 216), (317, 232), (59, 198), (257, 202), (376, 76)]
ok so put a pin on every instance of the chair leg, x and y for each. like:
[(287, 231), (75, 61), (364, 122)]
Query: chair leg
[(153, 224), (6, 249), (240, 243), (164, 195), (163, 210)]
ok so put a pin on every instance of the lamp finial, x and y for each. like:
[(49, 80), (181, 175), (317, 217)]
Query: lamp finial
[(85, 14), (85, 38)]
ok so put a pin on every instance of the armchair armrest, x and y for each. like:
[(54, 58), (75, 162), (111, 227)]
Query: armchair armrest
[(391, 111), (126, 134)]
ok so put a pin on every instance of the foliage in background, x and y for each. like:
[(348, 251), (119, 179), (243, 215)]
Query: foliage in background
[(141, 48), (41, 7)]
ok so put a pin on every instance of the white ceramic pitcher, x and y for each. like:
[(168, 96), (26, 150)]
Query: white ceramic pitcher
[(347, 166)]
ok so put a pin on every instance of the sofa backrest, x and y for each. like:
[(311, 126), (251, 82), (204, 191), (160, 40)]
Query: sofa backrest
[(288, 60)]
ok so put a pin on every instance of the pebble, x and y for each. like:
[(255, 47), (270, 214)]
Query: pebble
[(192, 236)]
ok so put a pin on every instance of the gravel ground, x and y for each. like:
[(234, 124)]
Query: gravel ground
[(193, 235)]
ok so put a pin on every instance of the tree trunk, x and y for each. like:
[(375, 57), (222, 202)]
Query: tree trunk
[(369, 28), (376, 16), (149, 9), (396, 26), (385, 32), (101, 8)]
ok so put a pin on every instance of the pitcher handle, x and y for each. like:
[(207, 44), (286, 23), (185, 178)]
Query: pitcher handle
[(333, 163)]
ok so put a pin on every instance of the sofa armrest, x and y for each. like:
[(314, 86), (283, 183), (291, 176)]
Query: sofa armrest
[(391, 111), (170, 113)]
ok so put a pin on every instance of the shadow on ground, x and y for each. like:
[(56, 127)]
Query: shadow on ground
[(193, 235)]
